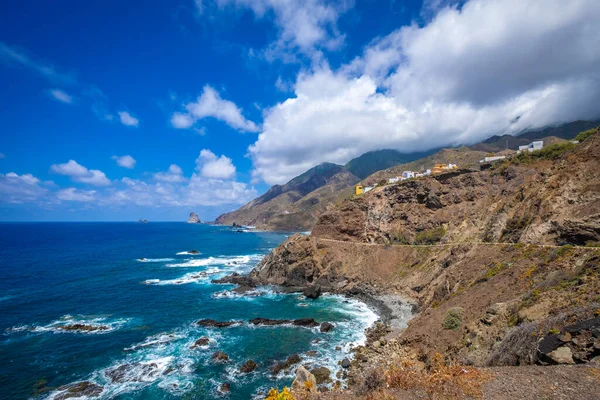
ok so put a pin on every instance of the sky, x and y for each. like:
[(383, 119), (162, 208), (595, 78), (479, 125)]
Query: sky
[(120, 110)]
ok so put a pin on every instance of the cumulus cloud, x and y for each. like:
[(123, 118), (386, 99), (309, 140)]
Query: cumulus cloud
[(73, 194), (61, 96), (211, 166), (464, 76), (15, 188), (304, 27), (125, 161), (210, 104), (128, 119), (79, 173), (173, 174)]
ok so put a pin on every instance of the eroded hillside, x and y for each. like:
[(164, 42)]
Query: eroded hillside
[(482, 256)]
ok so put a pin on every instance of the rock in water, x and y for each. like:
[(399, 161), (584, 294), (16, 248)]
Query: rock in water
[(203, 341), (346, 363), (321, 374), (79, 389), (312, 292), (248, 366), (216, 324), (193, 219), (303, 376), (220, 356), (225, 387), (326, 327), (291, 360)]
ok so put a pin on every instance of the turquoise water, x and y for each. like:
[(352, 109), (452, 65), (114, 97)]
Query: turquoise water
[(52, 274)]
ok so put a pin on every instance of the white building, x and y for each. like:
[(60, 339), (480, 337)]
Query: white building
[(368, 188), (491, 159), (533, 146), (394, 180), (408, 174)]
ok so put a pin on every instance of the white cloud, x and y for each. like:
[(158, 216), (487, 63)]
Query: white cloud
[(128, 119), (73, 194), (125, 161), (305, 27), (283, 86), (211, 166), (173, 175), (16, 188), (210, 104), (182, 121), (61, 96), (464, 76), (79, 173)]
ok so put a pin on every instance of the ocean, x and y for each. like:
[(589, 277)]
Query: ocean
[(141, 289)]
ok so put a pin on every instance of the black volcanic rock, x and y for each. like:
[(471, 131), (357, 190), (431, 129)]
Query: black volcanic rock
[(312, 292), (216, 324)]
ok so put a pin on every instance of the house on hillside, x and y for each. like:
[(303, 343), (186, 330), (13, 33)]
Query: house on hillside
[(439, 168), (408, 174), (492, 159), (533, 146), (394, 180), (359, 189)]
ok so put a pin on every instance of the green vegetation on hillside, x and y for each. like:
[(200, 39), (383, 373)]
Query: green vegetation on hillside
[(373, 161)]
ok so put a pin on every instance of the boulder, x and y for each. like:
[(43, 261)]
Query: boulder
[(203, 341), (225, 387), (193, 252), (78, 389), (321, 374), (283, 365), (307, 322), (304, 322), (346, 363), (562, 355), (312, 292), (216, 324), (133, 372), (248, 366), (326, 327), (220, 356), (301, 379)]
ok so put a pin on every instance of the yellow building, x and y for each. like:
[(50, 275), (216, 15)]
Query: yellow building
[(358, 189), (439, 168)]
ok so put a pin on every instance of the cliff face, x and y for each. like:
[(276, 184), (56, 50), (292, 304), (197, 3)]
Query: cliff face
[(485, 242), (543, 202)]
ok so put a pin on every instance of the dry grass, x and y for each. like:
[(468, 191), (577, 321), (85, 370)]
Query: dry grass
[(442, 381)]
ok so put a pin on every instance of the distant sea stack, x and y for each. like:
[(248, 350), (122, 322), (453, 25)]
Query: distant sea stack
[(193, 219)]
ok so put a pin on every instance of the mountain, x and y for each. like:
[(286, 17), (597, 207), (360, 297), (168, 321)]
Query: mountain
[(373, 161), (550, 134), (480, 255), (295, 205)]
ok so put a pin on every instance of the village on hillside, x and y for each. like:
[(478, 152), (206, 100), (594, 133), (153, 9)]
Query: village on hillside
[(442, 168)]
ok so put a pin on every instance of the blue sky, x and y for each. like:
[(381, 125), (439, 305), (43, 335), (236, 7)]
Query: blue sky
[(126, 110)]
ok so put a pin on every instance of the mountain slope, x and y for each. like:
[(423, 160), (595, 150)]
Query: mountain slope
[(372, 161), (295, 205), (479, 254)]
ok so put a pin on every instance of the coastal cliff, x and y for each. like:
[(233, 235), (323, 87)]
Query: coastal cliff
[(499, 263)]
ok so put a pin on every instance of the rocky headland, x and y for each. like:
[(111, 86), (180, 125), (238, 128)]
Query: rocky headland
[(500, 268)]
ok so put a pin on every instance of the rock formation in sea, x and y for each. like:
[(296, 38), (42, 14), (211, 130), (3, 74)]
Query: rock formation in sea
[(193, 219)]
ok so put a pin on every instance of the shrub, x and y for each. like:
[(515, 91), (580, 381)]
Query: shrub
[(441, 381), (552, 152), (453, 318), (586, 134), (430, 236), (402, 239), (274, 394)]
